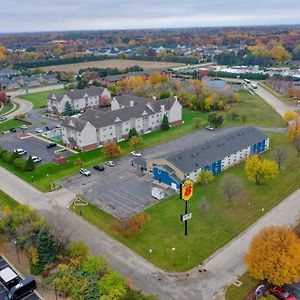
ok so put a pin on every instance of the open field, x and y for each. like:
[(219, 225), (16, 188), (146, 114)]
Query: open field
[(7, 107), (5, 200), (211, 227), (265, 116), (39, 99), (113, 63)]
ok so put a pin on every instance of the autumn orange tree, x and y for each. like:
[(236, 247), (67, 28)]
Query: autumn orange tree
[(274, 256), (111, 149), (290, 115), (258, 169), (294, 130)]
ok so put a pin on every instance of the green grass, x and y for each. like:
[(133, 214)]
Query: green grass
[(40, 99), (209, 230), (257, 111), (5, 126), (5, 200), (7, 107)]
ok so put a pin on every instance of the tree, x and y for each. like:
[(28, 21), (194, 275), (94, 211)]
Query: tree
[(231, 186), (69, 109), (47, 246), (290, 115), (58, 50), (297, 144), (198, 122), (258, 169), (111, 149), (138, 220), (3, 53), (280, 155), (3, 98), (136, 142), (280, 54), (30, 165), (78, 162), (132, 132), (205, 177), (78, 250), (216, 120), (294, 129), (165, 123), (274, 256)]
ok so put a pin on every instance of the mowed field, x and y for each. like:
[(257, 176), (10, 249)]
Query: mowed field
[(114, 63)]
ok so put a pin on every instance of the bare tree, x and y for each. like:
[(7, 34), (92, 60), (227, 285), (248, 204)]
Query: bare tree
[(204, 206), (297, 144), (280, 155), (231, 186)]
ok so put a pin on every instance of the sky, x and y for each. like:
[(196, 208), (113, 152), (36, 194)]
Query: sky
[(54, 15)]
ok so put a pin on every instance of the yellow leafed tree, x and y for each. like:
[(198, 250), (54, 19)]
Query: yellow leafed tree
[(280, 54), (294, 130), (258, 169), (3, 53), (290, 115), (274, 255)]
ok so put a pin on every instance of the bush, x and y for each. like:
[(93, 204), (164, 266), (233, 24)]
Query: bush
[(36, 270), (2, 151), (20, 163), (7, 157)]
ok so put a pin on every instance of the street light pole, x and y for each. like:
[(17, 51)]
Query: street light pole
[(17, 251)]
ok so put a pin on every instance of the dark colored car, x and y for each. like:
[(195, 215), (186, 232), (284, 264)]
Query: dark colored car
[(13, 130), (22, 289), (51, 145), (48, 128), (99, 168)]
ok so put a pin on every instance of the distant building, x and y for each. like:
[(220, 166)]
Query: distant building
[(213, 155), (97, 126), (91, 97)]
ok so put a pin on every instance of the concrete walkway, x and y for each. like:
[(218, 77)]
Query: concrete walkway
[(222, 268)]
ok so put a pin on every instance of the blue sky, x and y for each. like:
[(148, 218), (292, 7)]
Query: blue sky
[(44, 15)]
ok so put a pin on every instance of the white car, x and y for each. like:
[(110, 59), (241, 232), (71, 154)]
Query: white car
[(36, 159), (2, 119), (57, 126), (62, 117), (208, 127), (20, 151), (85, 172), (110, 163), (136, 154), (23, 127), (38, 130)]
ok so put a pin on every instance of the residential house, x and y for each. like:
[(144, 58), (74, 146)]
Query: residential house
[(214, 155), (79, 99), (97, 126)]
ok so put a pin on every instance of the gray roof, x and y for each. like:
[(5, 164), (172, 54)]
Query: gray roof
[(79, 124), (77, 94), (213, 150)]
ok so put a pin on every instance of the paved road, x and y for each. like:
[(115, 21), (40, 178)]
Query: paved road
[(26, 106), (222, 268)]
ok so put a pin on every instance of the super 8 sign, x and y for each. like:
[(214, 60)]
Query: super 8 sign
[(186, 191)]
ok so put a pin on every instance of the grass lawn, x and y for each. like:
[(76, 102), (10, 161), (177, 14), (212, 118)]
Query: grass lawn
[(7, 107), (233, 292), (5, 200), (40, 99), (210, 228), (5, 126), (257, 112)]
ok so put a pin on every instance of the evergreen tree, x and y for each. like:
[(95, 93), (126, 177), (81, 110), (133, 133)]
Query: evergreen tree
[(30, 166), (165, 123), (69, 109), (47, 246), (132, 132)]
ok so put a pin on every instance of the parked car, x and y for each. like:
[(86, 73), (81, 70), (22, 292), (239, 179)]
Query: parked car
[(23, 127), (99, 168), (48, 127), (24, 288), (57, 126), (36, 159), (20, 151), (136, 154), (62, 117), (51, 145), (38, 130), (13, 130), (85, 172), (209, 127), (110, 163), (2, 119), (281, 293)]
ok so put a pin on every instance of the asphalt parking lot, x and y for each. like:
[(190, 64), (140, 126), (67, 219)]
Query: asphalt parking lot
[(122, 190), (32, 145), (3, 291)]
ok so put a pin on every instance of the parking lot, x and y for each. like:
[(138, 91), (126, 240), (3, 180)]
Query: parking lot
[(3, 291), (122, 190), (32, 145)]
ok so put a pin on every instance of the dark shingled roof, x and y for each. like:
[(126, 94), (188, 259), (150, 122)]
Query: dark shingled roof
[(213, 150), (78, 123), (77, 94)]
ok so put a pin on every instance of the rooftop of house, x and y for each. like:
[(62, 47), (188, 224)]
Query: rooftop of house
[(215, 149), (77, 94)]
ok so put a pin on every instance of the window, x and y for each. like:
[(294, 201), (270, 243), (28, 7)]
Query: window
[(110, 127), (104, 129)]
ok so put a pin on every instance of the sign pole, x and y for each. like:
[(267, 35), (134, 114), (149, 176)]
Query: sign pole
[(186, 221)]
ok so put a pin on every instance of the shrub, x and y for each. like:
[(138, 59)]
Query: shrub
[(20, 163), (7, 157)]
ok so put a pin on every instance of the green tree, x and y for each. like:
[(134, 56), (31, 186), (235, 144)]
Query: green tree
[(205, 177), (198, 122), (165, 123), (47, 246), (216, 120), (132, 132), (136, 142), (78, 250), (30, 165), (69, 109)]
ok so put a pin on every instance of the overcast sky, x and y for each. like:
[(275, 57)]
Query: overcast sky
[(44, 15)]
